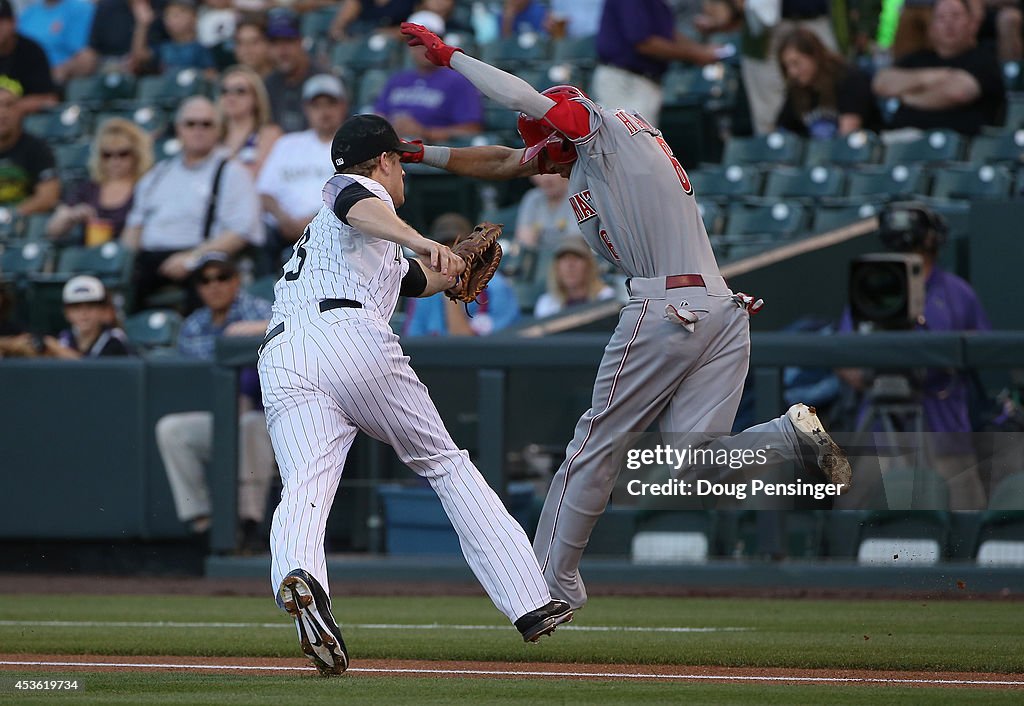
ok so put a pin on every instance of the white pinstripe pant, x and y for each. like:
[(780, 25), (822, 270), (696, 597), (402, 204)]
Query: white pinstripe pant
[(344, 371)]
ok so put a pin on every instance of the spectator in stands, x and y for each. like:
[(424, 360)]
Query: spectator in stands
[(1003, 21), (762, 78), (182, 49), (252, 48), (292, 66), (189, 205), (955, 85), (430, 102), (121, 153), (61, 28), (825, 96), (545, 217), (300, 164), (358, 17), (572, 280), (94, 332), (185, 439), (446, 10), (495, 309), (23, 60), (573, 18), (522, 17), (122, 38), (635, 43), (248, 133), (28, 172), (950, 304)]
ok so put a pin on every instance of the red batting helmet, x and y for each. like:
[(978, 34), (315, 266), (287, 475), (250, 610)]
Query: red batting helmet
[(538, 135)]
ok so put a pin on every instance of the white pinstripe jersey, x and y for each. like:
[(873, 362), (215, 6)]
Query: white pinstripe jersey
[(333, 260)]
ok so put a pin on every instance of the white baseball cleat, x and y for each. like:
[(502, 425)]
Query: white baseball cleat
[(830, 458)]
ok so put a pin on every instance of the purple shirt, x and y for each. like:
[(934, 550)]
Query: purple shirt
[(949, 305), (626, 23), (438, 98)]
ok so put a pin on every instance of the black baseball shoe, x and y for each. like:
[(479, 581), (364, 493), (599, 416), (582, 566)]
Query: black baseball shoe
[(306, 601), (828, 456), (543, 621)]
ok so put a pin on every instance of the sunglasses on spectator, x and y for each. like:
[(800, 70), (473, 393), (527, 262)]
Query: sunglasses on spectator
[(223, 277), (119, 154), (234, 90), (207, 124)]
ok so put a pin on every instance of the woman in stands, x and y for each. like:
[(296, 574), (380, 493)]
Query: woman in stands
[(248, 132), (121, 153), (825, 96), (572, 279)]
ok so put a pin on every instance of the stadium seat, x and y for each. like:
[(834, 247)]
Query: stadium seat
[(375, 51), (100, 90), (779, 219), (263, 287), (803, 534), (915, 528), (673, 537), (861, 147), (168, 90), (576, 51), (972, 182), (370, 86), (515, 53), (1002, 147), (110, 262), (21, 260), (72, 159), (711, 214), (498, 118), (1014, 110), (774, 148), (713, 87), (804, 182), (67, 123), (1001, 535), (151, 118), (34, 226), (886, 182), (1013, 79), (934, 147), (154, 328), (831, 216), (314, 24), (166, 148), (725, 182)]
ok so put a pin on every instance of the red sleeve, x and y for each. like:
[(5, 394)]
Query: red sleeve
[(569, 117)]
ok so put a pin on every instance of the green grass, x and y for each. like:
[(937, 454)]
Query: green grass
[(226, 690), (900, 635)]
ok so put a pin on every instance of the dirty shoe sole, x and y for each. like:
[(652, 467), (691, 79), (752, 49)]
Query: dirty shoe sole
[(547, 626), (316, 639), (831, 459)]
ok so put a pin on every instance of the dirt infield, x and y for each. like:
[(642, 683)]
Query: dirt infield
[(513, 670)]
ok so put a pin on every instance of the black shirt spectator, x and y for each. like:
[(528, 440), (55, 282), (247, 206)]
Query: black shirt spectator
[(113, 28), (23, 60), (26, 162)]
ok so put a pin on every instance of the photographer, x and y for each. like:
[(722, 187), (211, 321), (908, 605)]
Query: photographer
[(950, 304)]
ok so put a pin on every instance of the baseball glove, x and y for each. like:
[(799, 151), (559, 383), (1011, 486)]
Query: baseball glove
[(482, 254)]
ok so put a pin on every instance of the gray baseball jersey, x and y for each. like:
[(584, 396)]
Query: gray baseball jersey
[(633, 200), (328, 372)]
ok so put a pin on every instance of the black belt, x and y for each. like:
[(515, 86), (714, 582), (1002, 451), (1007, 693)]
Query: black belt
[(325, 305)]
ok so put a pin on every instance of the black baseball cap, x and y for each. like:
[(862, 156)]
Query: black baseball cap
[(363, 137)]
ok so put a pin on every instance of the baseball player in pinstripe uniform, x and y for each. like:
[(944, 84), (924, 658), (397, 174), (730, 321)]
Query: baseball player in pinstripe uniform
[(680, 351), (330, 366)]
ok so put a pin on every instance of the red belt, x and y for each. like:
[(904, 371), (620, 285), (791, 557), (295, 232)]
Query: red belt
[(677, 281)]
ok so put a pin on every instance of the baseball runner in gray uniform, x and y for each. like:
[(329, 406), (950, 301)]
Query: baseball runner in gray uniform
[(679, 354), (330, 366)]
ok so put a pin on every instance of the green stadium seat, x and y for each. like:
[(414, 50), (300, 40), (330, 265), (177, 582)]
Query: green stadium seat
[(711, 214), (370, 86), (314, 24), (576, 51), (21, 260), (832, 216), (713, 87), (111, 262), (430, 192), (1014, 110), (518, 52), (498, 118), (263, 287), (915, 528), (1013, 77), (34, 226), (465, 41), (886, 182), (780, 219), (725, 182), (375, 51), (861, 147), (1001, 535), (166, 148), (804, 534), (775, 148), (804, 182), (972, 182), (151, 118), (1002, 147), (67, 123), (100, 90), (934, 147), (72, 159), (170, 89), (153, 328), (673, 537)]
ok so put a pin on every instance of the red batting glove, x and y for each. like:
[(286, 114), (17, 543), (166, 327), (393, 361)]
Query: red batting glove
[(438, 52), (412, 157)]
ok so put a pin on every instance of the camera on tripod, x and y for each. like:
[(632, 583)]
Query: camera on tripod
[(886, 290)]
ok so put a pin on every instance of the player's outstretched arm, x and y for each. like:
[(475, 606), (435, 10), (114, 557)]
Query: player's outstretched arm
[(372, 217), (491, 162)]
